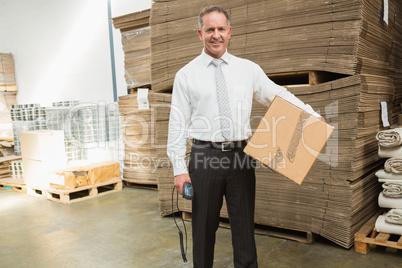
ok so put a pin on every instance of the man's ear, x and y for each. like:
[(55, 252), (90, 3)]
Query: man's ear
[(200, 34)]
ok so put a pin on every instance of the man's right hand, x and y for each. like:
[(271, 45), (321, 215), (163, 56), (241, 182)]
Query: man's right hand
[(180, 180)]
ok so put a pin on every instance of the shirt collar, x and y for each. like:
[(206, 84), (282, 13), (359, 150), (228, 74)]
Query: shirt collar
[(206, 59)]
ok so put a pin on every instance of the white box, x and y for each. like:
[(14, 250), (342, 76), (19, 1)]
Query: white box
[(43, 152), (43, 145)]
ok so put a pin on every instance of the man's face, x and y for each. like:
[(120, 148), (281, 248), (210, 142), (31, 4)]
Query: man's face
[(215, 34)]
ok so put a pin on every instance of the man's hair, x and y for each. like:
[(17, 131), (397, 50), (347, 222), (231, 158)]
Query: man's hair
[(208, 10)]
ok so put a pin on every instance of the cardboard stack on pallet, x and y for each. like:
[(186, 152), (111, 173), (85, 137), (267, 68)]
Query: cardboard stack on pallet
[(5, 166), (340, 36), (7, 74), (135, 37), (356, 51), (395, 60), (8, 97), (11, 174), (141, 136)]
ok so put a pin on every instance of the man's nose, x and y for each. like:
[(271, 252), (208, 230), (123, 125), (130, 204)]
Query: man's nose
[(216, 34)]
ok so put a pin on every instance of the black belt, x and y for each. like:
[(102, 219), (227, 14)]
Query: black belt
[(223, 146)]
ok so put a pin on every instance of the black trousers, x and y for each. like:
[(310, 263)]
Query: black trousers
[(215, 174)]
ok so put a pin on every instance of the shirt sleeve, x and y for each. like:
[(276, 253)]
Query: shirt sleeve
[(180, 113), (265, 91)]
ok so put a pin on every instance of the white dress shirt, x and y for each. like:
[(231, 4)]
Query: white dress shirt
[(195, 113)]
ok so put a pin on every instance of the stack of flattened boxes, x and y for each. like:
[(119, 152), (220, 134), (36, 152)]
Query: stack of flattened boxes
[(8, 97), (354, 47), (143, 130), (137, 129), (7, 74), (136, 39)]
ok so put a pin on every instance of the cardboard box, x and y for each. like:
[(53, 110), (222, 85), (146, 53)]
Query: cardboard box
[(103, 171), (67, 180), (73, 177), (43, 153), (288, 140)]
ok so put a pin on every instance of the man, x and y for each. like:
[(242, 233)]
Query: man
[(211, 104)]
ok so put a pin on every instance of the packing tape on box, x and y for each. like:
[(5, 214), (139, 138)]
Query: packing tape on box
[(297, 135), (277, 160)]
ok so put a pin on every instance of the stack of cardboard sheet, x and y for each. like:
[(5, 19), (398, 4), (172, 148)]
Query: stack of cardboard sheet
[(355, 49), (135, 37), (140, 136), (7, 101), (395, 70), (8, 97), (165, 178), (7, 74), (340, 36), (11, 174), (5, 168)]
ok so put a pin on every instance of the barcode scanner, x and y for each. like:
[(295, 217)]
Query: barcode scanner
[(188, 191)]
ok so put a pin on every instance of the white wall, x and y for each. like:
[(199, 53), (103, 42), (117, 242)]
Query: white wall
[(61, 48)]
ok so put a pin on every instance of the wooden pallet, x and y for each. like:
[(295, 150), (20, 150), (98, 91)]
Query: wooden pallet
[(367, 237), (302, 236), (36, 192), (8, 88), (288, 79), (302, 78), (14, 185), (84, 193), (141, 186)]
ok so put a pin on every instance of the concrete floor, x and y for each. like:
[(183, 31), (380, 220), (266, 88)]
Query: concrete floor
[(124, 229)]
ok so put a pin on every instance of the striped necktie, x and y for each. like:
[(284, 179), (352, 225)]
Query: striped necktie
[(223, 101)]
